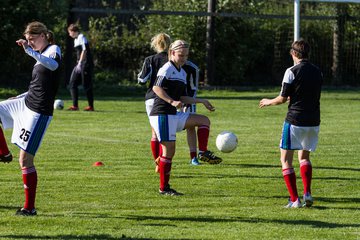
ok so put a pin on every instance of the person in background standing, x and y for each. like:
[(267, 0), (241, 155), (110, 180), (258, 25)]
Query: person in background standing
[(82, 72)]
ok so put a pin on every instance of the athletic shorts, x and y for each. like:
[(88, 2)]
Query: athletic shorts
[(190, 108), (299, 138), (166, 126), (28, 126), (149, 105)]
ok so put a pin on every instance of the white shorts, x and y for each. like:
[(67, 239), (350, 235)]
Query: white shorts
[(166, 126), (149, 105), (28, 126), (299, 138)]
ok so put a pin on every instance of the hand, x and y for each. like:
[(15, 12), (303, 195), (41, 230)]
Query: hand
[(78, 68), (176, 104), (264, 102), (23, 43), (208, 105)]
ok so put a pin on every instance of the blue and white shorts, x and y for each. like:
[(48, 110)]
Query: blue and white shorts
[(166, 126), (190, 108), (28, 126), (299, 138)]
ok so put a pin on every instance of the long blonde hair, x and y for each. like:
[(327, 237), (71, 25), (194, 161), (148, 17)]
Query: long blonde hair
[(160, 42)]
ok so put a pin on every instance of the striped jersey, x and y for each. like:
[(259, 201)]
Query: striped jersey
[(173, 81), (149, 71), (192, 78)]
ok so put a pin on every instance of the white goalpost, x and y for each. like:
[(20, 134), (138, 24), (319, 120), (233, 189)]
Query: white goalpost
[(297, 12)]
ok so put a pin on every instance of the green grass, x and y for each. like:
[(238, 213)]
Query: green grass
[(242, 198)]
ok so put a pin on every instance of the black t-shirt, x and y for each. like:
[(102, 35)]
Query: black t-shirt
[(44, 84), (173, 81), (302, 83), (149, 71), (192, 78)]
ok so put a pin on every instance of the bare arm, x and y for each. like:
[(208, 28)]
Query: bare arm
[(271, 102), (191, 100)]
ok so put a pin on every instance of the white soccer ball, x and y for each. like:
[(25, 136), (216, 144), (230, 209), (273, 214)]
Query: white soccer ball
[(58, 104), (226, 142)]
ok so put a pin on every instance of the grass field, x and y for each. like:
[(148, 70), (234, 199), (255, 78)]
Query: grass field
[(242, 198)]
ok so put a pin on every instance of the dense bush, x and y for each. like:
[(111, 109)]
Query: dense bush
[(249, 50)]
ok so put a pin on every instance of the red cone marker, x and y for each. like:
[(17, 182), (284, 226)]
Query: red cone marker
[(98, 164)]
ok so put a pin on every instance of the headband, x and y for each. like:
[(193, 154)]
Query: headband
[(179, 46)]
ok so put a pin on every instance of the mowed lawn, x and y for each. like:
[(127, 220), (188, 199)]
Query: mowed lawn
[(242, 198)]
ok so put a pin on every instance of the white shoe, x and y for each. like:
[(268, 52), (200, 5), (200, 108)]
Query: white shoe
[(308, 200), (296, 204)]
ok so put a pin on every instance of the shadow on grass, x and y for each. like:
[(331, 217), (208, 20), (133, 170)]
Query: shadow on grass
[(94, 236), (325, 199), (254, 165), (328, 200), (339, 168), (337, 200), (225, 176), (9, 207), (338, 178), (310, 223), (279, 166)]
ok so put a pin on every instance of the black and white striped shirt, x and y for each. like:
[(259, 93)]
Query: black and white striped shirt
[(173, 81)]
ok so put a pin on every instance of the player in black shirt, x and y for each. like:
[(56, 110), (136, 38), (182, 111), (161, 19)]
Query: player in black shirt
[(160, 43), (29, 114), (166, 120), (302, 87)]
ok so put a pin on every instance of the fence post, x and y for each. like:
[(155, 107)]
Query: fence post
[(338, 44), (210, 32)]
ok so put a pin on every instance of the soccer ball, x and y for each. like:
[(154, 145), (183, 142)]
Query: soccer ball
[(226, 142), (59, 104)]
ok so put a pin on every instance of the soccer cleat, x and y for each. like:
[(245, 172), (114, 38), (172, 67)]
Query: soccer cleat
[(296, 204), (89, 109), (169, 191), (6, 158), (308, 200), (194, 161), (73, 108), (25, 212), (209, 157)]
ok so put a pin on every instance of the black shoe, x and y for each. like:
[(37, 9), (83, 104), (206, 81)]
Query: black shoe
[(25, 212), (169, 192), (209, 157), (6, 158)]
